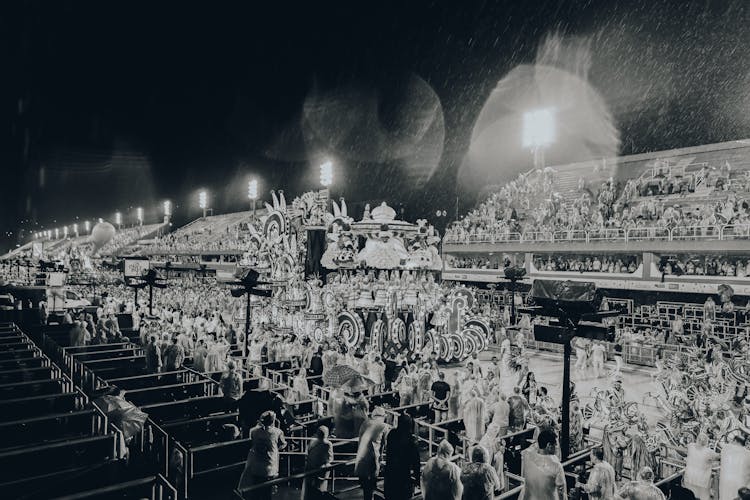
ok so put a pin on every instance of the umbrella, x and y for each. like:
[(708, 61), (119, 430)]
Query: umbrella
[(726, 290), (357, 383), (339, 375)]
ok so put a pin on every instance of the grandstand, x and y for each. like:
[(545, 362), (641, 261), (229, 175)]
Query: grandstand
[(674, 220)]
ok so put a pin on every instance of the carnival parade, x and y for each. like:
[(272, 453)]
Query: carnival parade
[(492, 252)]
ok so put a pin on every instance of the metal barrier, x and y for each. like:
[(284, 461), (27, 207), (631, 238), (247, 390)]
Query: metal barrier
[(646, 233)]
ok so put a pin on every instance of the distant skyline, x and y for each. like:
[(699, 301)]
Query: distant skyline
[(109, 106)]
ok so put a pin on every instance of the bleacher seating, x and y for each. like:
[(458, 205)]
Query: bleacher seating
[(53, 441)]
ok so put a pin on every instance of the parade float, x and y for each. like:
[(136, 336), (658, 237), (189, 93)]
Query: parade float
[(382, 286)]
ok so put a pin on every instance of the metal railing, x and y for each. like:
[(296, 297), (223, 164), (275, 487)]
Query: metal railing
[(650, 233)]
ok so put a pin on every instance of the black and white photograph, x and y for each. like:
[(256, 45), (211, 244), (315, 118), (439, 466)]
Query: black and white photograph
[(415, 250)]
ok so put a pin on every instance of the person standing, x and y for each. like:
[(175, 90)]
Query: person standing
[(500, 414), (735, 468), (231, 382), (402, 465), (153, 356), (440, 395), (598, 355), (174, 355), (367, 462), (319, 455), (518, 408), (601, 483), (544, 477), (441, 478), (263, 459), (479, 479), (698, 464), (474, 417)]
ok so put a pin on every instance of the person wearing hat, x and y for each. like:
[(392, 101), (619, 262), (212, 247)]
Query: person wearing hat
[(319, 455), (231, 382), (263, 459), (367, 462), (402, 465)]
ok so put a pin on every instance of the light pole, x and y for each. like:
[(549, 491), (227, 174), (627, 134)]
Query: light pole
[(539, 131), (252, 193), (75, 229), (203, 202), (57, 233), (326, 179), (87, 226), (65, 232), (167, 210), (139, 215), (118, 219)]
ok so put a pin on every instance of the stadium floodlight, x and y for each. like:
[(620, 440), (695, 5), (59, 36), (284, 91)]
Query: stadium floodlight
[(87, 226), (75, 228), (539, 131), (65, 231), (252, 192), (57, 233), (252, 189), (118, 219), (167, 208), (203, 201), (326, 173), (139, 215)]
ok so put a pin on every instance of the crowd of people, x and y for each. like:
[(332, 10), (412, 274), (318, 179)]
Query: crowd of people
[(626, 264), (708, 266), (597, 212), (125, 237)]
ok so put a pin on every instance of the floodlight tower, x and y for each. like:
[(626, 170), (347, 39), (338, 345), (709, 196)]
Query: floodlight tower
[(167, 211), (203, 202), (139, 215), (118, 220), (539, 131), (252, 193)]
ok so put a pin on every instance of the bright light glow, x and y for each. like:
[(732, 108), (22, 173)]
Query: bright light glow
[(87, 225), (252, 189), (539, 128), (118, 218), (101, 220), (167, 207), (139, 214), (57, 233), (75, 228), (65, 231), (326, 174), (203, 200)]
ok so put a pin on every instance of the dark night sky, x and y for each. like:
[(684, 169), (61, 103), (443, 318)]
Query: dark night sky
[(107, 105)]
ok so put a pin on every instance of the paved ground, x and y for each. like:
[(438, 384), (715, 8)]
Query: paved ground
[(548, 370)]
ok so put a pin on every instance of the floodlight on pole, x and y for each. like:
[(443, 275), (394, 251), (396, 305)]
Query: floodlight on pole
[(75, 229), (326, 174), (57, 233), (118, 219), (139, 215), (167, 208), (203, 201), (87, 226), (252, 193), (539, 131)]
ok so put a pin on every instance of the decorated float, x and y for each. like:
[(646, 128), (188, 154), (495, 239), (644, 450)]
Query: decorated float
[(381, 290)]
